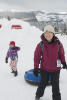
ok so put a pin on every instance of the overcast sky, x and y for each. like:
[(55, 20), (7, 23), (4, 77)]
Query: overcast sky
[(46, 5)]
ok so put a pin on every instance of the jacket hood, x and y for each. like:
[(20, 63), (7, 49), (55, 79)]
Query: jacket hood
[(42, 37)]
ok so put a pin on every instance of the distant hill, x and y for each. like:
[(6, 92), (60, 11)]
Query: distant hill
[(39, 18)]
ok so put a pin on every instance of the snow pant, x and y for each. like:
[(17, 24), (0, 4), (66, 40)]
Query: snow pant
[(55, 84), (13, 65)]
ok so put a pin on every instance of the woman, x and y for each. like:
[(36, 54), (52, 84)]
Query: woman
[(50, 63)]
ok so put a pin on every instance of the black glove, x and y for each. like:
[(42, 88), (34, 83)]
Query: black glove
[(6, 60), (64, 65), (35, 71)]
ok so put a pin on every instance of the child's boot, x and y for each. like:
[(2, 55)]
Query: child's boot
[(15, 73)]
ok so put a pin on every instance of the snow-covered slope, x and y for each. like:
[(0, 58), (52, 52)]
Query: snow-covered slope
[(15, 88)]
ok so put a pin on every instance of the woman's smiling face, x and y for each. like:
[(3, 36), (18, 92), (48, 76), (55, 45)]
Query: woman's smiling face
[(48, 36)]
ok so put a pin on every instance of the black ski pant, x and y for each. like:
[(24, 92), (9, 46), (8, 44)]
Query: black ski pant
[(55, 84)]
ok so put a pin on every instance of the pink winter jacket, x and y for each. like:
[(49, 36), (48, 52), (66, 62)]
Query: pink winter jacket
[(50, 56)]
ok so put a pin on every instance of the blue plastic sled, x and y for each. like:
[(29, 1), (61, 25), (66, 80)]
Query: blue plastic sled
[(32, 79)]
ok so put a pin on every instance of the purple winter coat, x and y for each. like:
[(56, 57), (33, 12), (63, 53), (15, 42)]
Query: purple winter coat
[(12, 53), (50, 56)]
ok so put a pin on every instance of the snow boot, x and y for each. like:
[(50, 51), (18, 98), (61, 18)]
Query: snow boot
[(15, 73), (37, 98), (57, 97)]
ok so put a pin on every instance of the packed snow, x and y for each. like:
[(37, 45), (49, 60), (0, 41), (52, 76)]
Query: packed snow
[(15, 88)]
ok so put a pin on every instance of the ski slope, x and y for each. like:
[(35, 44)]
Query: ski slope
[(15, 88)]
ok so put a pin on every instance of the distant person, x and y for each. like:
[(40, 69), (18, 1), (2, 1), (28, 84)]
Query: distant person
[(13, 55), (50, 59)]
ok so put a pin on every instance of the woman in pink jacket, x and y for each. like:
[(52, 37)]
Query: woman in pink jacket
[(50, 63)]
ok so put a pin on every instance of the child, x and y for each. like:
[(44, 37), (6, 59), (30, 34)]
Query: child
[(50, 62), (12, 53)]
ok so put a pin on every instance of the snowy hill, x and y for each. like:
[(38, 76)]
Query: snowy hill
[(15, 88)]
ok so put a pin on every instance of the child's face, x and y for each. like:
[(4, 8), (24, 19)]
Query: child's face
[(48, 36), (11, 46)]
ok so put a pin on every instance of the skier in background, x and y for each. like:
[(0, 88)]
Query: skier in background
[(13, 55), (50, 62)]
